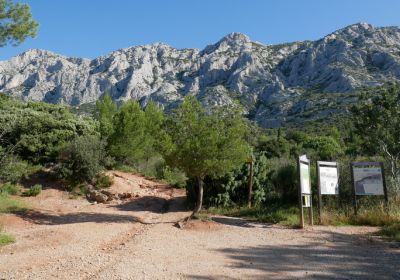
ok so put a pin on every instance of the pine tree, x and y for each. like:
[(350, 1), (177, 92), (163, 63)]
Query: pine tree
[(204, 144)]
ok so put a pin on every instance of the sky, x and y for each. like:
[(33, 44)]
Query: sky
[(89, 28)]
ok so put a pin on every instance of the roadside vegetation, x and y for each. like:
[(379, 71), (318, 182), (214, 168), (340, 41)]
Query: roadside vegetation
[(205, 153)]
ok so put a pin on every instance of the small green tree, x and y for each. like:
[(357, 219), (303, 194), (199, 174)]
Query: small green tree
[(204, 144), (128, 140), (106, 111), (154, 120), (16, 23), (377, 122), (324, 147)]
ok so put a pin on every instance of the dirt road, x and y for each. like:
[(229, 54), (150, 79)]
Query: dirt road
[(66, 238)]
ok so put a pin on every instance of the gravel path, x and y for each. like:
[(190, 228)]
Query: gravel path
[(136, 239)]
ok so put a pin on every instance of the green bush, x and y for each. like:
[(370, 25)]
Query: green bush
[(151, 167), (392, 231), (13, 169), (102, 181), (33, 191), (9, 188), (39, 129), (174, 177), (82, 159), (285, 182)]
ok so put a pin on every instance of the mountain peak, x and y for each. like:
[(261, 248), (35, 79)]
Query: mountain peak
[(360, 27), (36, 53), (269, 82), (233, 40), (236, 37)]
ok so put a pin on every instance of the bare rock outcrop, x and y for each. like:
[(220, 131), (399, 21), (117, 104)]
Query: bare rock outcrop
[(269, 81)]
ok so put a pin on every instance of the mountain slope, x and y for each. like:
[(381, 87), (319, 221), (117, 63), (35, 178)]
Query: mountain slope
[(274, 84)]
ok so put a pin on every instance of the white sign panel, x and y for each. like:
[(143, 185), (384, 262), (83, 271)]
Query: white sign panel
[(328, 177), (368, 180), (305, 178)]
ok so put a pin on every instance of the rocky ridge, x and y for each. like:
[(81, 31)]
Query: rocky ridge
[(275, 84)]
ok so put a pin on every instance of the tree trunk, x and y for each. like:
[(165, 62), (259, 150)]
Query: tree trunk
[(250, 190), (199, 202)]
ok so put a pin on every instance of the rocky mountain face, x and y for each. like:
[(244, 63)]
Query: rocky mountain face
[(275, 84)]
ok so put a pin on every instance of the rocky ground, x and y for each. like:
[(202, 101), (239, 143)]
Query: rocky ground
[(135, 238)]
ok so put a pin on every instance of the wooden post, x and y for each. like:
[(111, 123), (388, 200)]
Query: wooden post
[(310, 212), (339, 201), (319, 195), (354, 189), (385, 192), (300, 196), (250, 182)]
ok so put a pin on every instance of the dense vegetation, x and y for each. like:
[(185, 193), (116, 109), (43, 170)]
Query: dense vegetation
[(206, 153)]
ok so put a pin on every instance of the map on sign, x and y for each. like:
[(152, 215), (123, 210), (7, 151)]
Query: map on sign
[(329, 180), (305, 178), (368, 180)]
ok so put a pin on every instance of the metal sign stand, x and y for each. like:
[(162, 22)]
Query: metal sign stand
[(305, 199), (323, 164), (368, 164)]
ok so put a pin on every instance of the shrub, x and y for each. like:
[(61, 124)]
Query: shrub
[(9, 188), (33, 191), (102, 181), (82, 159), (392, 231), (40, 129), (284, 180), (13, 169), (174, 177)]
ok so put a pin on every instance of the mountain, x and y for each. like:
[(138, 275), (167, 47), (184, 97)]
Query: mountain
[(275, 84)]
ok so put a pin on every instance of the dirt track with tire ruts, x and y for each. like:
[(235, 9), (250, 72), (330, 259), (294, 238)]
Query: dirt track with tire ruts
[(63, 238)]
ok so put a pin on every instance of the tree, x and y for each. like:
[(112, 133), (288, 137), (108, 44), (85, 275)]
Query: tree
[(324, 147), (377, 122), (128, 139), (154, 120), (16, 23), (204, 144), (106, 109)]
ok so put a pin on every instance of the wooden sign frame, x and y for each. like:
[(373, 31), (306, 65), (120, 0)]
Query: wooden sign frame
[(368, 164), (332, 164), (305, 199)]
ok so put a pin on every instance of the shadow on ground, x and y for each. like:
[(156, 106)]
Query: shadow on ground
[(42, 218), (238, 222), (342, 257), (47, 179), (152, 204)]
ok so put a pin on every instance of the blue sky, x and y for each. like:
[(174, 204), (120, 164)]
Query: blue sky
[(89, 28)]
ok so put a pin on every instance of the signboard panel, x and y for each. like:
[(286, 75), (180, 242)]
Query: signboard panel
[(329, 181), (305, 178), (368, 180)]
